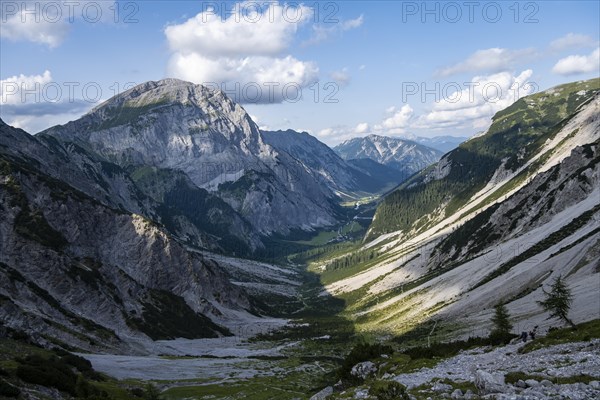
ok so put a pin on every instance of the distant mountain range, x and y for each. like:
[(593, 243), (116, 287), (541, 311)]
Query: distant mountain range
[(406, 156), (342, 177)]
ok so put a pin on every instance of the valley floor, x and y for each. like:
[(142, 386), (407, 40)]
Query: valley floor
[(564, 364)]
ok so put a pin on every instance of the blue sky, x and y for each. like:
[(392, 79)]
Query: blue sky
[(385, 67)]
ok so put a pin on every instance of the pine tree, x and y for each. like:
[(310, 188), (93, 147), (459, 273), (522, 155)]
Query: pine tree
[(558, 301), (151, 393), (502, 325)]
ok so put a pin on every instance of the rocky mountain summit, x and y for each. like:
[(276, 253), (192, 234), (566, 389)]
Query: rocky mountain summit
[(404, 155)]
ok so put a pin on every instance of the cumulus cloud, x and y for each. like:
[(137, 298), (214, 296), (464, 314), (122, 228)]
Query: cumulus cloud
[(397, 122), (47, 23), (249, 31), (19, 89), (468, 106), (249, 79), (489, 60), (578, 64), (243, 52), (36, 102), (475, 104), (34, 124), (361, 128), (572, 41)]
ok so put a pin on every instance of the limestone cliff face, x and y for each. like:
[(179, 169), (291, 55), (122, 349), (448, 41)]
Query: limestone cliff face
[(91, 274), (172, 124)]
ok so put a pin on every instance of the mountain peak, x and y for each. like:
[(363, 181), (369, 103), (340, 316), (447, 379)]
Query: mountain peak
[(402, 154), (374, 136), (162, 92)]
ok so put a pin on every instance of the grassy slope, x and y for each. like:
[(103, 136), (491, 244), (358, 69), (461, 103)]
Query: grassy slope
[(516, 134)]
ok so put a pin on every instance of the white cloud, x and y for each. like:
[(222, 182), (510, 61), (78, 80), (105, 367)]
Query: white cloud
[(249, 79), (342, 77), (489, 60), (362, 67), (397, 122), (47, 23), (474, 105), (577, 64), (337, 134), (394, 124), (36, 102), (264, 32), (20, 89), (361, 128), (572, 41), (352, 23), (323, 32), (470, 107), (243, 53), (327, 132), (38, 30)]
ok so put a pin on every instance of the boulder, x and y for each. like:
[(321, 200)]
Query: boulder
[(363, 370), (323, 394), (457, 394), (488, 382), (441, 387), (532, 383), (546, 382), (521, 384)]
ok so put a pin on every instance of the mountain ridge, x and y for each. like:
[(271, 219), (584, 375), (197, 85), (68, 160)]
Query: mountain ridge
[(518, 222), (405, 155)]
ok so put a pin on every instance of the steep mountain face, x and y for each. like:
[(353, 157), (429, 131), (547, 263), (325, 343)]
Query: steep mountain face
[(76, 166), (403, 155), (81, 270), (494, 221), (113, 186), (194, 215), (342, 177), (513, 149), (176, 125)]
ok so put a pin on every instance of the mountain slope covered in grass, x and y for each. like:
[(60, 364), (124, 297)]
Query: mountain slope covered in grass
[(495, 220)]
